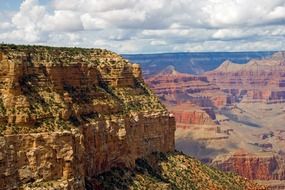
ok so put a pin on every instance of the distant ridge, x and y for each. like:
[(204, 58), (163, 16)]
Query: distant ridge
[(277, 59), (193, 63)]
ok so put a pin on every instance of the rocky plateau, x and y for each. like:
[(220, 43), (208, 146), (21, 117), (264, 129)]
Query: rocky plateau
[(68, 114)]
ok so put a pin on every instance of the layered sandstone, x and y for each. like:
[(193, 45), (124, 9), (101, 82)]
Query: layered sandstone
[(190, 98), (42, 158), (188, 114), (258, 80), (68, 114), (253, 166), (174, 87)]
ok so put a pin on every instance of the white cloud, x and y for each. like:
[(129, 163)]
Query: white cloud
[(221, 13), (5, 25), (148, 25), (66, 4), (231, 34), (70, 39), (61, 20), (29, 15), (90, 23), (158, 42), (25, 22), (277, 13)]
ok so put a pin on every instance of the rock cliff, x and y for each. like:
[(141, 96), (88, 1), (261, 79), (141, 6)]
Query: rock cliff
[(253, 166), (188, 114), (190, 98), (68, 114), (174, 87), (257, 81)]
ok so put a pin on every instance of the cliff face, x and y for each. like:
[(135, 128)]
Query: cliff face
[(190, 98), (256, 81), (175, 88), (254, 166), (188, 114), (55, 157), (68, 114)]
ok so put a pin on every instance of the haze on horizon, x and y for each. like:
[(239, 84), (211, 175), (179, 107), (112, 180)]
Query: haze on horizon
[(146, 26)]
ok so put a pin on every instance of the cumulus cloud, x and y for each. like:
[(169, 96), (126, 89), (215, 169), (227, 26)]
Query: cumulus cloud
[(147, 25), (61, 20), (91, 23)]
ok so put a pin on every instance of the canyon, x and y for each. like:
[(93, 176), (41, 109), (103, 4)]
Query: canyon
[(258, 80), (231, 117), (74, 119)]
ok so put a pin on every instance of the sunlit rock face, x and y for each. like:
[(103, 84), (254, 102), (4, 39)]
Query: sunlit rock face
[(68, 114)]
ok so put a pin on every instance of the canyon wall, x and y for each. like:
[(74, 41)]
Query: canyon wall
[(190, 98), (257, 81), (68, 114), (187, 115), (260, 166), (174, 87)]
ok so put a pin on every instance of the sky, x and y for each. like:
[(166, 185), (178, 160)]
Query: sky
[(146, 26)]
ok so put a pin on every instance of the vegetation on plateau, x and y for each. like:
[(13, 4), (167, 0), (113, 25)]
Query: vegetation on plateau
[(172, 171)]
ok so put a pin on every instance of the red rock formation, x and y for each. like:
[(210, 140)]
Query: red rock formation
[(253, 166), (187, 114), (193, 96), (175, 88), (258, 80)]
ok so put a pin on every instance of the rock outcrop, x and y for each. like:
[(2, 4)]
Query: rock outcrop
[(257, 81), (253, 166), (68, 114), (174, 87), (189, 114), (190, 98)]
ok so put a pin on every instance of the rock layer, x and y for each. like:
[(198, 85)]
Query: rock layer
[(175, 88), (254, 166), (190, 98), (76, 113), (189, 114), (258, 80)]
